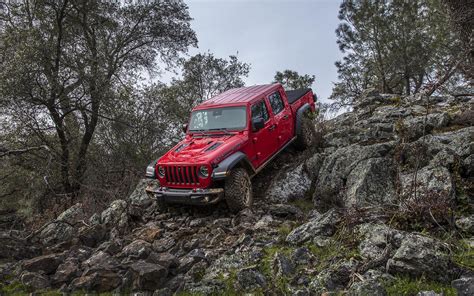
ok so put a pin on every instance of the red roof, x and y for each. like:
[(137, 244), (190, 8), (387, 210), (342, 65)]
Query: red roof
[(240, 95)]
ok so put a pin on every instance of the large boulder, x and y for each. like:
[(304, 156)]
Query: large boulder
[(73, 216), (323, 225), (116, 214), (99, 281), (66, 271), (378, 238), (422, 256), (34, 280), (289, 184), (148, 276), (46, 263), (464, 286), (57, 232)]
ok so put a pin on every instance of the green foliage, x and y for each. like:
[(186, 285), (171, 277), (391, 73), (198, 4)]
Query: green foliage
[(464, 255), (304, 204), (292, 80), (407, 287), (391, 46), (333, 252)]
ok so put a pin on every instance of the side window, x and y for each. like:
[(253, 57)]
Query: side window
[(276, 102), (259, 109)]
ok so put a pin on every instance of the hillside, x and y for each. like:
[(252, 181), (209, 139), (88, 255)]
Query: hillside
[(382, 205)]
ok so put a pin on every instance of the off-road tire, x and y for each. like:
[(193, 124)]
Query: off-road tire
[(238, 190), (306, 135)]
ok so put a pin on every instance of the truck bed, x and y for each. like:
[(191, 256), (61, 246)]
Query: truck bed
[(294, 95)]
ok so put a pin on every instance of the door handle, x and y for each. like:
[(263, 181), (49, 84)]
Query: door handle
[(272, 127), (286, 116)]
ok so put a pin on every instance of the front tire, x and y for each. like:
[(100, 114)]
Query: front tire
[(306, 135), (238, 190)]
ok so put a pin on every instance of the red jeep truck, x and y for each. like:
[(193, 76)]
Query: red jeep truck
[(229, 139)]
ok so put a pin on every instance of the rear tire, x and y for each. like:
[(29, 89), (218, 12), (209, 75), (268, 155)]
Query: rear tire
[(306, 135), (238, 190)]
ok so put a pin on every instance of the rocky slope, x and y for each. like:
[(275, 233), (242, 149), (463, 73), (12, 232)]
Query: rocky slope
[(382, 205)]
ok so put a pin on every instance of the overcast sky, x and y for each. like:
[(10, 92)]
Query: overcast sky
[(271, 35)]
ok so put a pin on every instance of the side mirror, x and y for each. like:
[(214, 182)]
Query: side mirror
[(258, 123), (185, 127), (315, 98)]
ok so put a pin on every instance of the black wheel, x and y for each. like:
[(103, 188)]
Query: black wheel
[(306, 134), (238, 190)]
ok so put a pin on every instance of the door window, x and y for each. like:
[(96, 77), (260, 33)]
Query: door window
[(276, 102), (260, 110)]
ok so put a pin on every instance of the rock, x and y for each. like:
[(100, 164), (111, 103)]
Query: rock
[(149, 276), (264, 223), (66, 271), (322, 225), (138, 249), (149, 233), (314, 164), (91, 236), (139, 196), (289, 184), (165, 259), (73, 216), (15, 247), (464, 286), (249, 279), (430, 181), (112, 216), (336, 277), (422, 256), (281, 265), (111, 247), (301, 256), (100, 260), (415, 127), (228, 263), (163, 244), (371, 182), (364, 288), (186, 262), (100, 281), (46, 263), (56, 232), (34, 280), (429, 293), (285, 211), (466, 224), (376, 238)]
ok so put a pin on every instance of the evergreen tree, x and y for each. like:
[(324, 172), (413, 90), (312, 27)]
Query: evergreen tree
[(292, 80)]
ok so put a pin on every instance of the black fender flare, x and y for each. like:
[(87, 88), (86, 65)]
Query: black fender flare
[(299, 117), (224, 167)]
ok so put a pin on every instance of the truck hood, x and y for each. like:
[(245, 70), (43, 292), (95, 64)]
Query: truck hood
[(199, 150)]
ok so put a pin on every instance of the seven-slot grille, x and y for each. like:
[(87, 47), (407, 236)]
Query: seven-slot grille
[(183, 175)]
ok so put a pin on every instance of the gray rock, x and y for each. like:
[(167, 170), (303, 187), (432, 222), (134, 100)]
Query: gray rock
[(99, 281), (113, 215), (100, 260), (149, 276), (422, 256), (371, 182), (92, 235), (285, 211), (365, 288), (464, 286), (322, 225), (139, 195), (138, 249), (301, 256), (186, 262), (56, 232), (249, 279), (163, 244), (46, 263), (281, 265), (417, 126), (66, 271), (429, 180), (34, 280), (429, 293), (73, 216), (376, 238), (165, 259), (466, 224), (289, 184)]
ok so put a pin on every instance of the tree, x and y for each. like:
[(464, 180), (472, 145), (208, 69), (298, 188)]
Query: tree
[(292, 80), (392, 46), (65, 62)]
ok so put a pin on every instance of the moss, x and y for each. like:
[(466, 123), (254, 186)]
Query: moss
[(396, 101), (332, 253), (408, 287), (305, 205), (464, 255)]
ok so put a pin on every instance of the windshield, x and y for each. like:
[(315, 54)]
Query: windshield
[(218, 119)]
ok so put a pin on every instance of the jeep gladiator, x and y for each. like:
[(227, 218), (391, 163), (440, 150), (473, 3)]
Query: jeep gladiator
[(229, 139)]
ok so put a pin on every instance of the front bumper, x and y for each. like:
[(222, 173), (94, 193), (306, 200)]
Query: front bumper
[(186, 196)]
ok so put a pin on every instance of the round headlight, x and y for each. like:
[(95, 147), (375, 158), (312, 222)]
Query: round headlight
[(204, 171), (161, 171)]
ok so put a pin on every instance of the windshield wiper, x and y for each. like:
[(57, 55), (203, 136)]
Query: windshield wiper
[(224, 130)]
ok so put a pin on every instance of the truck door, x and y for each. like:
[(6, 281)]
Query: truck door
[(263, 139), (282, 118)]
